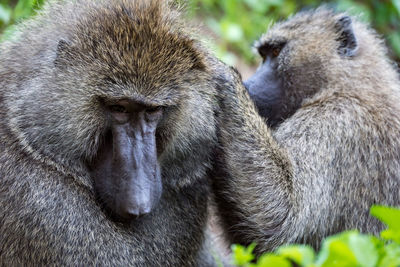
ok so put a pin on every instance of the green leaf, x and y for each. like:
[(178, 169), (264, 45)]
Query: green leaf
[(270, 260), (300, 254), (390, 216), (364, 249), (390, 234), (349, 249), (335, 252), (243, 255), (391, 257)]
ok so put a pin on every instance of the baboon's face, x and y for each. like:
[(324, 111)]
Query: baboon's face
[(126, 171), (129, 78), (134, 134), (296, 55)]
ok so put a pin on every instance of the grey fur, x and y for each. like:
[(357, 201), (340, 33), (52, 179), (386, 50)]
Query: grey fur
[(336, 154), (51, 124)]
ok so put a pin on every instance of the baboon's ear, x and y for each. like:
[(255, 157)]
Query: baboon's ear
[(347, 40), (63, 49)]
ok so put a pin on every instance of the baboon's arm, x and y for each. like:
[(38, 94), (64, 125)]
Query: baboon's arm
[(260, 188)]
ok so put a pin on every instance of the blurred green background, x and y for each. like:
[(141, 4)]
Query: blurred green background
[(235, 24), (238, 23)]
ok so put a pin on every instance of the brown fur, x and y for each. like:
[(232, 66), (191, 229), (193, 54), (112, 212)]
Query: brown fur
[(337, 152), (51, 123)]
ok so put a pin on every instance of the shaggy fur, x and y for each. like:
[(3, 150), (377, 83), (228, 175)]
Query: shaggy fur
[(335, 154), (52, 75)]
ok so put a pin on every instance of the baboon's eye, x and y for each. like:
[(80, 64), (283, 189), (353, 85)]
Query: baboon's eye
[(276, 51), (118, 109), (154, 113), (154, 109), (271, 50), (263, 51)]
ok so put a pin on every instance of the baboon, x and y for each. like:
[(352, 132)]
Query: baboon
[(320, 145), (107, 128)]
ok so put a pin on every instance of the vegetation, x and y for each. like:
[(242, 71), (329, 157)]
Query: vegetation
[(346, 249), (12, 11), (238, 23)]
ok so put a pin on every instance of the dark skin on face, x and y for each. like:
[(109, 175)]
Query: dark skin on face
[(126, 171), (265, 86)]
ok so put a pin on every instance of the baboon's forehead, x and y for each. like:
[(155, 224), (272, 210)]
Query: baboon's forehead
[(140, 43), (143, 50), (307, 22)]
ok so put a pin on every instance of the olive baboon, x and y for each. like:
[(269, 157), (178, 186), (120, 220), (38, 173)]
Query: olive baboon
[(106, 126), (330, 145)]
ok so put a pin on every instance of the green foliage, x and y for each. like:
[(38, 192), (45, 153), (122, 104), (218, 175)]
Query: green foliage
[(240, 22), (300, 254), (391, 217), (243, 255), (346, 249), (12, 11)]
